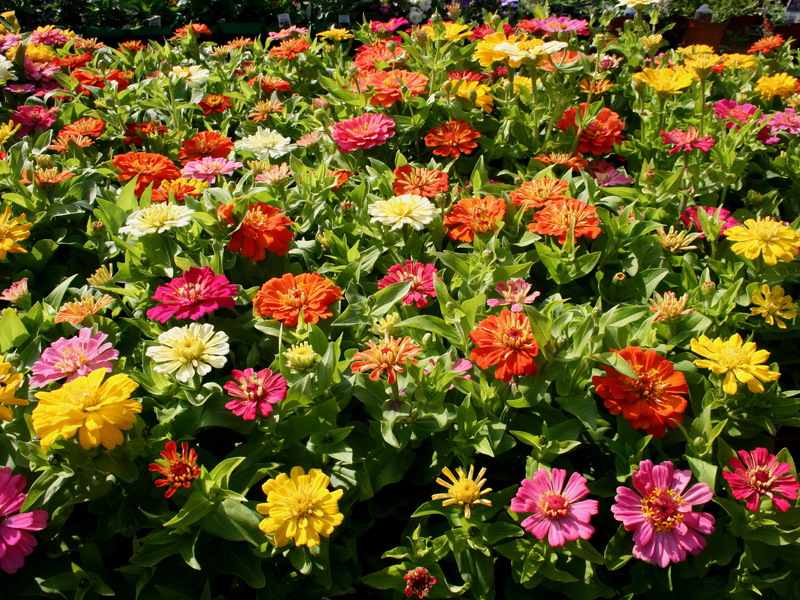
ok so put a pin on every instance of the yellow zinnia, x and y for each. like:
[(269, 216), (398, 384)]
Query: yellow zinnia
[(735, 360), (300, 507), (487, 51), (665, 81), (96, 410), (474, 91), (336, 34), (9, 382), (12, 231), (447, 31), (782, 84), (739, 61), (464, 490), (772, 303), (764, 237)]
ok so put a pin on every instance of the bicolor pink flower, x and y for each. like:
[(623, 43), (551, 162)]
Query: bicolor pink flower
[(660, 514), (16, 291), (690, 219), (559, 514), (34, 117), (15, 541), (388, 26), (208, 168), (687, 140), (255, 393), (73, 357), (555, 25), (606, 174), (759, 473), (197, 292), (49, 36), (366, 131), (788, 120), (422, 276), (9, 40), (515, 292), (734, 114)]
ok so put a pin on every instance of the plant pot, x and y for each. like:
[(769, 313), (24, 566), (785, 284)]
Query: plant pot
[(700, 32)]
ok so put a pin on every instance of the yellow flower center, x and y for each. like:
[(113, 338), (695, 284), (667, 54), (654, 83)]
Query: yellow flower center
[(465, 491), (554, 505), (732, 357), (661, 508), (189, 349)]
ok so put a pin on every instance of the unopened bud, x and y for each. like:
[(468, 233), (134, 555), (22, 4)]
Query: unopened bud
[(619, 278), (708, 288)]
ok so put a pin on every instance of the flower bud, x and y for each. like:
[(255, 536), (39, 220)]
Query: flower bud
[(708, 288), (753, 198), (649, 177), (619, 278)]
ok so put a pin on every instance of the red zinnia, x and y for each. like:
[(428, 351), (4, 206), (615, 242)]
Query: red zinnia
[(93, 79), (203, 144), (366, 131), (86, 126), (562, 216), (214, 103), (135, 133), (452, 139), (766, 44), (368, 56), (759, 473), (263, 228), (420, 273), (597, 137), (151, 168), (270, 84), (469, 216), (180, 469), (506, 341), (285, 298), (419, 181), (194, 29), (419, 583), (652, 402)]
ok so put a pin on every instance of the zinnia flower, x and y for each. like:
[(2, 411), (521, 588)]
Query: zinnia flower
[(195, 293), (265, 144), (766, 44), (289, 49), (687, 140), (732, 113), (36, 118), (11, 232), (179, 470), (366, 131), (758, 473), (539, 192), (597, 137), (285, 298), (407, 209), (660, 513), (507, 341), (420, 274), (15, 541), (470, 216), (73, 357), (149, 167), (388, 87), (565, 217), (772, 303), (653, 401), (78, 311), (255, 392), (263, 228), (420, 582), (300, 507), (386, 356), (205, 144), (419, 181), (735, 360), (192, 75), (191, 349), (16, 291), (764, 237), (157, 218), (780, 84), (665, 81), (452, 139), (214, 103), (9, 382), (515, 292), (207, 168), (464, 490), (559, 514), (135, 133), (98, 411), (719, 215)]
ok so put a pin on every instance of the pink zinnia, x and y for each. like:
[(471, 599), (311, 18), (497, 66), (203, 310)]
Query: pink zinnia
[(15, 541), (366, 131), (34, 117), (692, 221), (605, 174), (661, 514), (197, 292), (420, 273), (759, 473), (73, 357), (255, 392), (687, 140), (787, 120), (515, 292), (735, 115), (555, 25), (390, 25), (557, 514), (207, 168), (16, 291)]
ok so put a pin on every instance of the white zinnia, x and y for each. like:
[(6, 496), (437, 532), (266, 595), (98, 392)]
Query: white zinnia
[(187, 350), (415, 15), (157, 218), (5, 70), (638, 4), (193, 75), (408, 209), (265, 143)]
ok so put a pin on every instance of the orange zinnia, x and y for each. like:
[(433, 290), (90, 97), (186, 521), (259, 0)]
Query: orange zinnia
[(286, 298), (75, 312), (179, 189), (563, 216), (367, 57), (539, 192), (452, 139), (766, 44), (419, 181), (86, 126), (264, 227), (571, 161), (203, 144), (474, 215), (61, 143), (388, 86), (564, 58), (386, 356), (597, 137), (151, 168), (289, 49), (506, 341), (652, 402)]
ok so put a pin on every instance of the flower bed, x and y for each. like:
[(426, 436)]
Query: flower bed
[(463, 309)]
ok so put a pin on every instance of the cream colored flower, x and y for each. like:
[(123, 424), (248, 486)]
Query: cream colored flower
[(193, 75), (157, 218), (265, 143), (187, 350), (407, 209)]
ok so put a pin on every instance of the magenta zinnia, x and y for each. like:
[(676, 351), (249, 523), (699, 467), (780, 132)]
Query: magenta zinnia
[(420, 274), (687, 140), (197, 292), (759, 473), (255, 392), (15, 541), (366, 131), (660, 514), (73, 357), (557, 513)]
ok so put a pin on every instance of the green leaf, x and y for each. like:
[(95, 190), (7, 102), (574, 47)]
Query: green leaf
[(222, 472), (244, 564), (12, 331), (196, 507), (435, 325), (232, 520), (384, 300)]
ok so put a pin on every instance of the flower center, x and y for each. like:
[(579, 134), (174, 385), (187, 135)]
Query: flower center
[(302, 505), (188, 349), (516, 338), (732, 357), (465, 491), (649, 385), (296, 298), (760, 479), (71, 361), (662, 508), (554, 505), (189, 291)]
